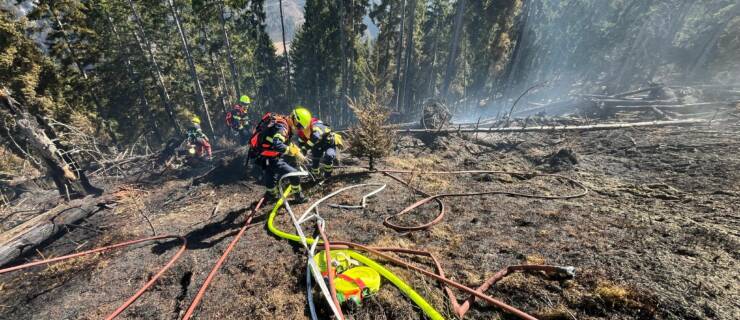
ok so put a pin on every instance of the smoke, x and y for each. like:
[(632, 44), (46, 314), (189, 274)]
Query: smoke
[(605, 47)]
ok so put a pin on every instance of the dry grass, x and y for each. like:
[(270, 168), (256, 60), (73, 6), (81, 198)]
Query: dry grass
[(534, 259), (559, 312), (612, 293), (427, 182), (69, 265), (389, 241), (15, 165)]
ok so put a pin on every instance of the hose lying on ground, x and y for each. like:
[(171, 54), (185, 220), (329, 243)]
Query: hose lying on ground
[(400, 284), (217, 266), (438, 197), (460, 310), (328, 294), (138, 293)]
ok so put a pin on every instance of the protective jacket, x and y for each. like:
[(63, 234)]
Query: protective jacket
[(317, 133), (273, 139), (236, 119)]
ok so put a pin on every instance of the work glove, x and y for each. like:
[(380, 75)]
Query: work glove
[(295, 152), (338, 141)]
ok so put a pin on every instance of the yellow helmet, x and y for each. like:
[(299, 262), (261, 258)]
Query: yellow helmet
[(301, 117), (196, 119), (245, 99)]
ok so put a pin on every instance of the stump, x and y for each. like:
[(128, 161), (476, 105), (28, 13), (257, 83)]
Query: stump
[(435, 114)]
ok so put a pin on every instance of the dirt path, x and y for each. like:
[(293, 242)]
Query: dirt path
[(657, 237)]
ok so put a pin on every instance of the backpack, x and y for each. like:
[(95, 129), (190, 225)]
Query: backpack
[(236, 110), (267, 121)]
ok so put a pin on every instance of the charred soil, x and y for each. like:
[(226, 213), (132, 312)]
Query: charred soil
[(657, 236)]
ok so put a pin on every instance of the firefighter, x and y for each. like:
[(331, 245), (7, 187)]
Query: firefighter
[(317, 137), (271, 145), (237, 119), (196, 137)]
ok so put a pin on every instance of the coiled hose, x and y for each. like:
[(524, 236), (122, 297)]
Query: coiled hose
[(400, 284)]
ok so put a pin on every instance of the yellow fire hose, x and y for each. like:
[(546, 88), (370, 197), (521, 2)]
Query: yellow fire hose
[(385, 273)]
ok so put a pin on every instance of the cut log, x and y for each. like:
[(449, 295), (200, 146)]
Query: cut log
[(34, 232), (604, 126)]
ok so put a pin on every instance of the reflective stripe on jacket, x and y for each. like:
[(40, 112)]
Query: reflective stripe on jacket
[(317, 132), (273, 141)]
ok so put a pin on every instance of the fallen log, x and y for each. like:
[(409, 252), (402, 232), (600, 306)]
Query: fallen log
[(662, 114), (604, 126), (676, 106), (629, 93), (35, 231), (626, 102)]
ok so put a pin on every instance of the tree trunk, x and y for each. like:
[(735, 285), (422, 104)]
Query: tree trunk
[(454, 45), (56, 162), (145, 108), (399, 55), (232, 66), (343, 58), (200, 98), (93, 95), (285, 52), (216, 67), (711, 43), (146, 48), (409, 68)]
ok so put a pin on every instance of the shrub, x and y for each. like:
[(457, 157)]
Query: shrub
[(368, 137)]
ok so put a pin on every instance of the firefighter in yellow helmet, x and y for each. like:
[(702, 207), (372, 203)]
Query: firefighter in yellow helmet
[(316, 136), (238, 121), (196, 137), (270, 146)]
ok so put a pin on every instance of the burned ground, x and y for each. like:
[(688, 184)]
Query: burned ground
[(657, 237)]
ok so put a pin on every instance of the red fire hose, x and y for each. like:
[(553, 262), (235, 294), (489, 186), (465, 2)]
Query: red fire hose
[(138, 293), (330, 270), (438, 197), (202, 291)]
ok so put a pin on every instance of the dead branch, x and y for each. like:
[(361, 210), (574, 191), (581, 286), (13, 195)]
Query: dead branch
[(538, 85)]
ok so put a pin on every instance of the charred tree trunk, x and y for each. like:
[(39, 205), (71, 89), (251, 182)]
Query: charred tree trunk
[(454, 45), (200, 98), (55, 161), (147, 51)]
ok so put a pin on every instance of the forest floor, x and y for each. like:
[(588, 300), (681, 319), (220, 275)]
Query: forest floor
[(657, 236)]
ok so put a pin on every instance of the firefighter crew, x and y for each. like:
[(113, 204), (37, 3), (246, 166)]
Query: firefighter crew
[(195, 136), (273, 146), (316, 136)]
